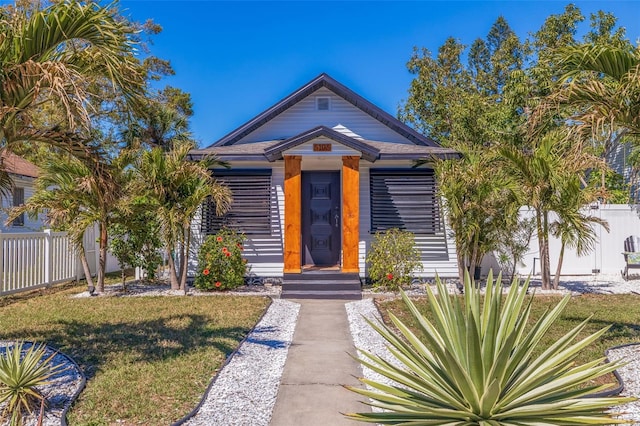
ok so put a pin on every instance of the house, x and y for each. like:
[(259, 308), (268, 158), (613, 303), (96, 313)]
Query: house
[(317, 174), (23, 175)]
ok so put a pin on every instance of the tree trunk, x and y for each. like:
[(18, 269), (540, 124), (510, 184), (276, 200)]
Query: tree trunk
[(175, 284), (513, 270), (474, 258), (102, 257), (556, 278), (184, 266), (543, 245), (544, 253), (87, 270), (180, 259), (547, 263), (461, 266)]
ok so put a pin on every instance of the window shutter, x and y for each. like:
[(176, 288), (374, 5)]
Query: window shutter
[(250, 211), (404, 199)]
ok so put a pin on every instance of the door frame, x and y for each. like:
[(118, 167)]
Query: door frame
[(292, 188), (335, 201)]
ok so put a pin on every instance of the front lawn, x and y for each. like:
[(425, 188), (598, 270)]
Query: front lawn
[(148, 359), (622, 311)]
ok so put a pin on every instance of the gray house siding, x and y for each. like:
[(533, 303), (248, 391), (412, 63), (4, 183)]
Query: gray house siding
[(304, 116)]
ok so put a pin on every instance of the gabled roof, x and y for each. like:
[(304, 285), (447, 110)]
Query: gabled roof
[(274, 152), (17, 165), (324, 80)]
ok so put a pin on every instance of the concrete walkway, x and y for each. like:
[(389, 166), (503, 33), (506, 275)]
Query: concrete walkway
[(317, 366)]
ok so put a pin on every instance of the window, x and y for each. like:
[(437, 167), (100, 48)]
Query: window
[(250, 211), (18, 200), (323, 103), (404, 199)]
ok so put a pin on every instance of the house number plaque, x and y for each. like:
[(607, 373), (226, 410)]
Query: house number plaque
[(321, 147)]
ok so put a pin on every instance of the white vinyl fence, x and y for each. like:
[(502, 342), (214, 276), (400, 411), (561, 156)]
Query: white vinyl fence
[(30, 260), (606, 257)]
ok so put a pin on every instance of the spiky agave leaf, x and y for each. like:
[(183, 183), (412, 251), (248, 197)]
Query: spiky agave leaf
[(22, 371), (474, 364)]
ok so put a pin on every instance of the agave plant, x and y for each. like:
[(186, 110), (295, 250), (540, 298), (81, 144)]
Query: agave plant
[(474, 364), (21, 372)]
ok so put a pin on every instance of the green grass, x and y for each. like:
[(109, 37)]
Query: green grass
[(621, 311), (148, 359)]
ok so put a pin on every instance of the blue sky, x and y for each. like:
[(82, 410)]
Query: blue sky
[(239, 58)]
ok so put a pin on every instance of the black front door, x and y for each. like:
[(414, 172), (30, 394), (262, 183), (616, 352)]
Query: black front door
[(320, 218)]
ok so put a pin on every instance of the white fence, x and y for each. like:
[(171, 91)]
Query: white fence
[(606, 258), (30, 260)]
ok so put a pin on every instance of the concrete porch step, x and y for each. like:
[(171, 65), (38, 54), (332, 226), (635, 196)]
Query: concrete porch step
[(321, 285), (321, 275), (329, 295)]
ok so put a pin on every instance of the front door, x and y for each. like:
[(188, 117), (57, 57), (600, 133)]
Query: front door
[(320, 218)]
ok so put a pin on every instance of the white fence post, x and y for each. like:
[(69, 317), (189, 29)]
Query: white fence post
[(96, 246), (48, 258)]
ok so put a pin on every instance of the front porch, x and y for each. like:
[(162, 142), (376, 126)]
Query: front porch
[(321, 230)]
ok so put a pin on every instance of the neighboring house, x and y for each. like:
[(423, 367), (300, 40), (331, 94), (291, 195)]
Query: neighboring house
[(317, 174), (23, 174)]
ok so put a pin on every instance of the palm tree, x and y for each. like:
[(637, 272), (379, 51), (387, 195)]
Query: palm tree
[(548, 175), (49, 57), (176, 188), (572, 226), (77, 194), (477, 197), (603, 81)]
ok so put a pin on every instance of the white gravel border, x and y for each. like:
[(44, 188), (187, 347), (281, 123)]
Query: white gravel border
[(630, 374), (140, 289), (365, 337), (245, 390), (60, 391)]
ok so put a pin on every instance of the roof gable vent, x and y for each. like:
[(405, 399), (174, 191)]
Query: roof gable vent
[(323, 103)]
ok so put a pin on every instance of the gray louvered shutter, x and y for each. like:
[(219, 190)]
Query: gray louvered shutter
[(404, 199), (250, 211)]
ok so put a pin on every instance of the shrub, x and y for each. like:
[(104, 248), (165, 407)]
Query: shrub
[(392, 259), (220, 262), (21, 372), (135, 241), (474, 365)]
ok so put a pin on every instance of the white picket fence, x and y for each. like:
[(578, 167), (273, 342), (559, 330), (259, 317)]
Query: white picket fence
[(30, 260)]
